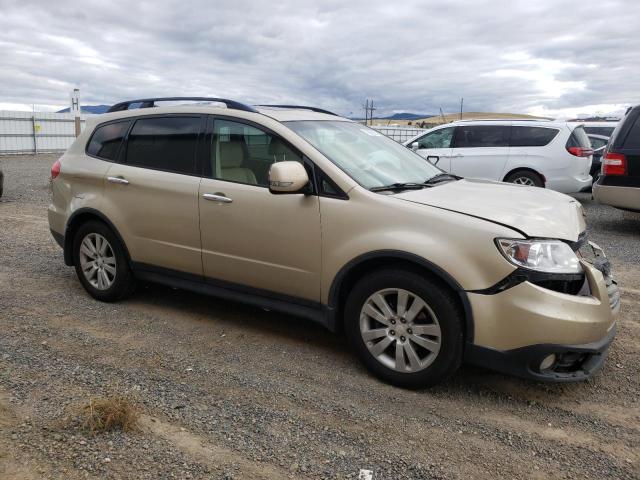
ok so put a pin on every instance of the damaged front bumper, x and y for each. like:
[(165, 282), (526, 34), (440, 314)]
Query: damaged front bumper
[(532, 331)]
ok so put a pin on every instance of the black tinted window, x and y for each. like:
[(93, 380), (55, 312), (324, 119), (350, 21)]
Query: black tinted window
[(167, 143), (532, 136), (481, 136), (606, 131), (633, 137), (106, 140)]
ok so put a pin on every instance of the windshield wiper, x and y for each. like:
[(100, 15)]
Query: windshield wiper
[(441, 177), (399, 186)]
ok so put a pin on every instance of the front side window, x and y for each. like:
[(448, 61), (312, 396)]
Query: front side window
[(481, 136), (164, 143), (532, 136), (243, 153), (367, 156), (437, 139), (106, 140)]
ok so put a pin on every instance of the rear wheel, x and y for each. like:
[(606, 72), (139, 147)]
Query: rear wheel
[(405, 328), (101, 264), (525, 177)]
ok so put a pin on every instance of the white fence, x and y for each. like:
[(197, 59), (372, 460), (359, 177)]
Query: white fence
[(37, 132), (399, 134)]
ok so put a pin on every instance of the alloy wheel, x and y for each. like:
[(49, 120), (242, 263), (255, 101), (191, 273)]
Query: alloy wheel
[(97, 261), (524, 181), (400, 330)]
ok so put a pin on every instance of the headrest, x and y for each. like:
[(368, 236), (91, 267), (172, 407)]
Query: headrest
[(231, 154), (280, 152)]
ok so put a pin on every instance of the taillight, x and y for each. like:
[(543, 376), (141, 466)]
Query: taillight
[(55, 169), (614, 164), (580, 151)]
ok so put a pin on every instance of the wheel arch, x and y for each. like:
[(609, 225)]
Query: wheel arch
[(526, 169), (80, 217), (355, 269)]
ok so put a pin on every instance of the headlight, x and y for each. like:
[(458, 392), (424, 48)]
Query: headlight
[(551, 256)]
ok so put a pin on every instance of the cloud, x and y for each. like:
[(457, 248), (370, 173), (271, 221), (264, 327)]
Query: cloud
[(517, 56)]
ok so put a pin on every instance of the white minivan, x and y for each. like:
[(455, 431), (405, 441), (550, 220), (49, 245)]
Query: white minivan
[(555, 155)]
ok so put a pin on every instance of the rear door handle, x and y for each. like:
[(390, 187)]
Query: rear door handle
[(120, 180), (217, 197)]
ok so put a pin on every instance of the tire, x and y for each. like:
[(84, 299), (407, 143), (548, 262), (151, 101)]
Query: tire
[(525, 177), (439, 320), (118, 281)]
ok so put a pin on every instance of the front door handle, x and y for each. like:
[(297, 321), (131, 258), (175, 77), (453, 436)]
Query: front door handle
[(217, 197), (458, 155), (120, 180)]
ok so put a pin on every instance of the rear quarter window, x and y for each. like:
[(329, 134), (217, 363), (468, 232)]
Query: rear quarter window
[(106, 140), (633, 137), (532, 136), (579, 138)]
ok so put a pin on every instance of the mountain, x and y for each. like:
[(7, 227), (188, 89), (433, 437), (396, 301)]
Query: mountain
[(406, 116), (88, 109)]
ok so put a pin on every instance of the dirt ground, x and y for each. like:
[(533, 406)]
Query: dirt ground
[(229, 391)]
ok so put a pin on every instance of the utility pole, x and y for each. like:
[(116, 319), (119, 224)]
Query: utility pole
[(461, 104), (371, 109), (442, 115), (75, 109), (366, 112)]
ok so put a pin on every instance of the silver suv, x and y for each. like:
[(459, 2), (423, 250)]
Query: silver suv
[(298, 210)]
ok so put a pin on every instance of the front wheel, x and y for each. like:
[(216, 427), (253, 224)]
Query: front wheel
[(405, 328), (101, 264)]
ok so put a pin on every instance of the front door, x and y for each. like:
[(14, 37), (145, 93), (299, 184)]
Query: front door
[(435, 147), (251, 237)]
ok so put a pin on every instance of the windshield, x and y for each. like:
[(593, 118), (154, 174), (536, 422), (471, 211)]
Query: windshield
[(367, 156)]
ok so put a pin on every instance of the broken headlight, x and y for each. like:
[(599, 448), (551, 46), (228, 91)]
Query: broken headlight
[(552, 256)]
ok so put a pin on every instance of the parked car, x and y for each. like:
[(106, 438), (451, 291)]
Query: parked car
[(598, 143), (619, 181), (547, 154), (598, 128), (298, 210)]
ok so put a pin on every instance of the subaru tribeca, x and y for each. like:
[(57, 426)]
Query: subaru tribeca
[(298, 210)]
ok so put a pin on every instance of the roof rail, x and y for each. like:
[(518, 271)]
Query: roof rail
[(503, 120), (151, 102), (302, 107)]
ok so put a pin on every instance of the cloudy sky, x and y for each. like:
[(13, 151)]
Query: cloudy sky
[(550, 57)]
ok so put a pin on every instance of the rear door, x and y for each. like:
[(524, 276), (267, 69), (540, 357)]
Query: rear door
[(151, 196), (435, 146), (526, 148), (480, 151)]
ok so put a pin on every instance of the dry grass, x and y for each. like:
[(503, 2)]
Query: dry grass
[(451, 117), (112, 413)]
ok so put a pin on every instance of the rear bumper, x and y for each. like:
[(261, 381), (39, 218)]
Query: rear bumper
[(573, 363), (627, 198), (569, 184)]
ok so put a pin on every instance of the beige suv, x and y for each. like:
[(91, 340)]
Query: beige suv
[(301, 211)]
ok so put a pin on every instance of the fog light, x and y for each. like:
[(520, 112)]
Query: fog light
[(548, 361)]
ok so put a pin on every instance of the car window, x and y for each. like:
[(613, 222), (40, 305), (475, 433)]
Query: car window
[(606, 131), (532, 136), (164, 143), (437, 139), (477, 136), (243, 153), (105, 141), (597, 142), (633, 137), (578, 138)]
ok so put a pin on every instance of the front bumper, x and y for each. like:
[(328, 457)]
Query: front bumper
[(573, 363), (515, 329)]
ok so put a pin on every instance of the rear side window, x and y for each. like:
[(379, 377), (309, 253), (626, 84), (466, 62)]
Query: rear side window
[(532, 136), (478, 136), (106, 140), (633, 137), (579, 138), (164, 143)]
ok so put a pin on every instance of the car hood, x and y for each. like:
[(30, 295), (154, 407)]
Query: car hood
[(534, 211)]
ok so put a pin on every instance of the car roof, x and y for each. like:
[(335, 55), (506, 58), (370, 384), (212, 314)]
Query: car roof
[(280, 114)]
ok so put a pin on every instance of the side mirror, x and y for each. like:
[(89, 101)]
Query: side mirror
[(415, 146), (287, 177)]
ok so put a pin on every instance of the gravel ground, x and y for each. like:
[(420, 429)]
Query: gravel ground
[(229, 391)]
